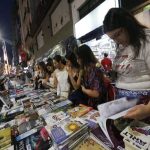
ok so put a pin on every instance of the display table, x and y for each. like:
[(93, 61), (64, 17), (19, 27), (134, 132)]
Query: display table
[(40, 120)]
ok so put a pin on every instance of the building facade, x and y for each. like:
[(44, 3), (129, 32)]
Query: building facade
[(44, 23)]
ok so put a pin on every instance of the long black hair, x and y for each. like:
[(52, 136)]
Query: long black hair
[(43, 66), (119, 17), (86, 55), (73, 59)]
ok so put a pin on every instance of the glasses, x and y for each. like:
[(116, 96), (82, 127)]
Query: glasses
[(116, 34)]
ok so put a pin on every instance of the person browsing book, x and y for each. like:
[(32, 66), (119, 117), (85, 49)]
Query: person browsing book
[(61, 77), (132, 62), (92, 82), (76, 95)]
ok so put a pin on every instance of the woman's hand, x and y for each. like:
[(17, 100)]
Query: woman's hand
[(83, 89), (70, 72), (139, 112)]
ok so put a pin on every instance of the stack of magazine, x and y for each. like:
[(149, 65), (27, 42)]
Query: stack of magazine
[(68, 131), (137, 136)]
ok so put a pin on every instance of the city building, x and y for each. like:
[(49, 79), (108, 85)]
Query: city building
[(44, 25), (16, 35)]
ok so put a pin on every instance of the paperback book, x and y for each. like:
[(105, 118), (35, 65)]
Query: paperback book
[(79, 111), (90, 118), (5, 138), (53, 119), (112, 111), (137, 136), (67, 130), (40, 140)]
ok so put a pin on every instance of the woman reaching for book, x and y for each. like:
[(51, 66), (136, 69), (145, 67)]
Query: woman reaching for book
[(132, 62), (92, 82), (139, 112)]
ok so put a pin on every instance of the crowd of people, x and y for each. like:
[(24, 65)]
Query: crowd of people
[(78, 78)]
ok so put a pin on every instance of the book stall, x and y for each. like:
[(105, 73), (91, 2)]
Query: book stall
[(40, 120)]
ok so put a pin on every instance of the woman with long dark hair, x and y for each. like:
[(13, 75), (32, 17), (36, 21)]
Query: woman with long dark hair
[(76, 95), (92, 78), (132, 62)]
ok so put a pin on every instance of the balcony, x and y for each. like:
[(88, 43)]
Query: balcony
[(41, 12)]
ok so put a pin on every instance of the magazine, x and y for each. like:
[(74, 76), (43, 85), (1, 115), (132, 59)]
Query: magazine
[(39, 140), (112, 111), (137, 136), (25, 124), (90, 118), (79, 110), (54, 118), (68, 129)]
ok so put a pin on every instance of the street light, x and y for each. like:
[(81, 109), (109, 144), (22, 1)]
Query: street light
[(7, 68)]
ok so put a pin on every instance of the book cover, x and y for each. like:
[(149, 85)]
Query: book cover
[(90, 143), (54, 118), (5, 138), (26, 123), (79, 111), (90, 118), (66, 129), (44, 109), (39, 140), (137, 136)]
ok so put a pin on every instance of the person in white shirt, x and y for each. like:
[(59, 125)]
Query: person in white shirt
[(61, 77), (132, 62)]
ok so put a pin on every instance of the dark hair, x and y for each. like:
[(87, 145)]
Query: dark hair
[(58, 58), (73, 59), (43, 66), (50, 63), (105, 54), (49, 60), (119, 17), (86, 55), (63, 61)]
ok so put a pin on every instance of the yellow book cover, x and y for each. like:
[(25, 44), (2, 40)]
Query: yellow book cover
[(5, 137), (79, 111)]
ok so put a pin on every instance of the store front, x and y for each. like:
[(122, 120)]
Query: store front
[(92, 33)]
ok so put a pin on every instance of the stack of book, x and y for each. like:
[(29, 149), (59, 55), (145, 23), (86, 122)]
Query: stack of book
[(68, 131), (137, 136)]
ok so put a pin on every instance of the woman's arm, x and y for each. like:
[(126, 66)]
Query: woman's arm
[(76, 84), (139, 112), (89, 92)]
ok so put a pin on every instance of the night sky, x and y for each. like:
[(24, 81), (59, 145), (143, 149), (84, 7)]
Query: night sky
[(6, 7)]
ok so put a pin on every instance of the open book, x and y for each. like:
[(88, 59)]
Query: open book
[(112, 111)]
